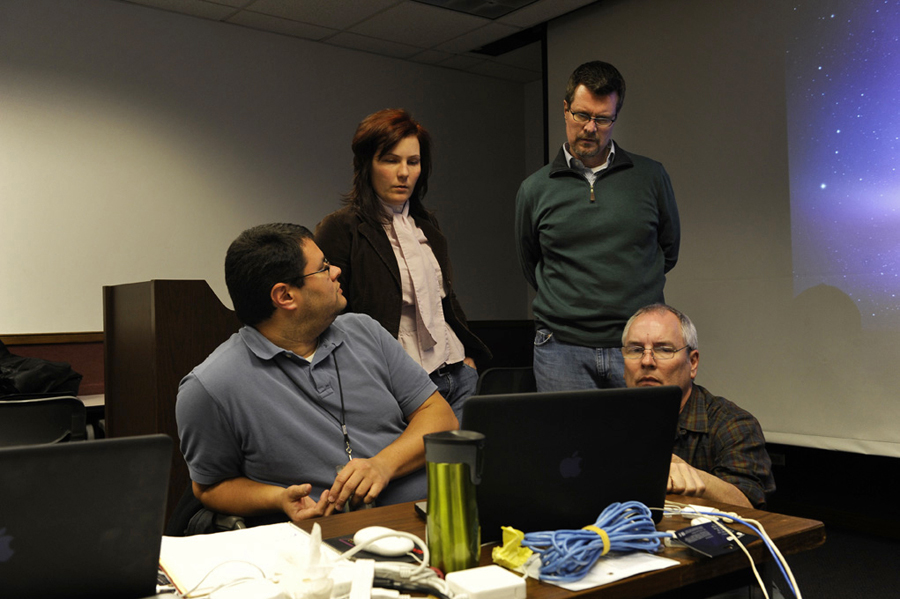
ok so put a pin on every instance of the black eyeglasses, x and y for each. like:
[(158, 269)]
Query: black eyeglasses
[(636, 352), (583, 118), (326, 268)]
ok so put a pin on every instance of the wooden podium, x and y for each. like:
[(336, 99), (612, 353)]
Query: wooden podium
[(155, 333)]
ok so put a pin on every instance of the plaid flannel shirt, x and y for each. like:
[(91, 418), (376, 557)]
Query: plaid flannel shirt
[(718, 437)]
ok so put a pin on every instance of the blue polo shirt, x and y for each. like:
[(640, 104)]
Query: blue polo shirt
[(253, 409)]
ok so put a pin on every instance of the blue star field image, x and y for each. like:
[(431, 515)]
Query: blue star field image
[(843, 110)]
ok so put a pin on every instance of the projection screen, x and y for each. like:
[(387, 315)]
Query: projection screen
[(779, 123)]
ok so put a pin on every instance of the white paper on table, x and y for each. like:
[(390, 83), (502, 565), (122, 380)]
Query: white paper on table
[(617, 566), (233, 554)]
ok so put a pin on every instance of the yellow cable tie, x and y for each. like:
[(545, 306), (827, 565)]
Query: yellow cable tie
[(603, 536)]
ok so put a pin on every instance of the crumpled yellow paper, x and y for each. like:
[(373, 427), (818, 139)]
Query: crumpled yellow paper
[(510, 554)]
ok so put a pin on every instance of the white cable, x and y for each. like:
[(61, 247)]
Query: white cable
[(418, 573), (780, 557), (402, 572), (187, 594), (734, 537), (422, 565), (675, 507)]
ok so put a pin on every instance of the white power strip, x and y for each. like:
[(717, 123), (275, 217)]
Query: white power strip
[(487, 582)]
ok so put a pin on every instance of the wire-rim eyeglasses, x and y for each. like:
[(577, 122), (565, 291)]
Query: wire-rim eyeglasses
[(664, 352), (326, 268), (583, 118)]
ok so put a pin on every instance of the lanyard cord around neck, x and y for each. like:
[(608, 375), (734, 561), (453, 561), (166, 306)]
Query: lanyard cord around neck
[(343, 419), (344, 430)]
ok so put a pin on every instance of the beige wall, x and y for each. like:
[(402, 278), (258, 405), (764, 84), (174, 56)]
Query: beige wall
[(135, 144)]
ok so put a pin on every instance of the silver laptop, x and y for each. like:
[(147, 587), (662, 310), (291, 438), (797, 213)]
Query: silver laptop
[(83, 519), (556, 460)]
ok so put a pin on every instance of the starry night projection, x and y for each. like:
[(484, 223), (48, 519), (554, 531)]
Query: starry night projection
[(843, 94)]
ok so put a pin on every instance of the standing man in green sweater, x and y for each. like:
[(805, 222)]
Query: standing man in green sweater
[(597, 229)]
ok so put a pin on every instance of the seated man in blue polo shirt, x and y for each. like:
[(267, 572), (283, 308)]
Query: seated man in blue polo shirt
[(301, 401)]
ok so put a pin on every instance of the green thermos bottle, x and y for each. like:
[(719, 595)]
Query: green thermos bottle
[(453, 464)]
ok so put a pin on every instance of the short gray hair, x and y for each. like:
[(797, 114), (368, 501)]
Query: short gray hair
[(688, 330)]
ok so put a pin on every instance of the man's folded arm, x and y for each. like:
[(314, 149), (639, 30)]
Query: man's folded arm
[(366, 478), (684, 479), (407, 453), (241, 496)]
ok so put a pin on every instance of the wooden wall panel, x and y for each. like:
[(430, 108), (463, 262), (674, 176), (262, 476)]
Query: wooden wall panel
[(156, 332)]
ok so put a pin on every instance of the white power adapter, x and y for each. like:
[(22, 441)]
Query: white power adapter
[(487, 582)]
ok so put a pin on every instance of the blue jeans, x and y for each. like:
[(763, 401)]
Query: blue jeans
[(455, 383), (561, 366)]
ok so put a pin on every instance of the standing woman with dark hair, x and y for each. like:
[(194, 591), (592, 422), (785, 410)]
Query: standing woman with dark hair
[(393, 257)]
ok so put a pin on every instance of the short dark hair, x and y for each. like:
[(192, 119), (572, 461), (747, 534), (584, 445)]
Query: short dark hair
[(600, 78), (257, 260), (377, 135)]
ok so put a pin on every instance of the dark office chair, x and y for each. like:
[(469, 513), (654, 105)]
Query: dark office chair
[(498, 380), (190, 518), (44, 420)]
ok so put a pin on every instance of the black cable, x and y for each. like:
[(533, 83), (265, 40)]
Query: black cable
[(407, 587)]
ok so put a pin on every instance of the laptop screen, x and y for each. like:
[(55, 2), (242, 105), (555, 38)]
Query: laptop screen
[(83, 519), (556, 460)]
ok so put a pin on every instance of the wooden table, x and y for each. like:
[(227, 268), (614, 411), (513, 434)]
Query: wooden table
[(695, 576)]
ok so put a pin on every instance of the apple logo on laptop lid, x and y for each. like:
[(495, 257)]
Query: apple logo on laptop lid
[(570, 467), (6, 551)]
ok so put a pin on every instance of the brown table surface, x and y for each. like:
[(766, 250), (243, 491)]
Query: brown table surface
[(790, 535)]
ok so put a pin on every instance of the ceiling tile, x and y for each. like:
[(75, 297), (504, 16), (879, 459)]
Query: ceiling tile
[(430, 56), (234, 3), (404, 29), (336, 14), (502, 71), (461, 62), (542, 11), (418, 24), (279, 25), (490, 9), (371, 44), (526, 57), (477, 38), (195, 8)]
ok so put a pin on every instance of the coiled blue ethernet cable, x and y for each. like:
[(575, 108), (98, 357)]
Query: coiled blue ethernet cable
[(568, 555)]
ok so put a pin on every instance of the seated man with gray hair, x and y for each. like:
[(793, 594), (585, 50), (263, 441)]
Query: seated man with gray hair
[(720, 452)]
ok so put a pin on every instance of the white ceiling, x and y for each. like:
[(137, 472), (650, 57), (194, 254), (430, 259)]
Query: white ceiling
[(404, 29)]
